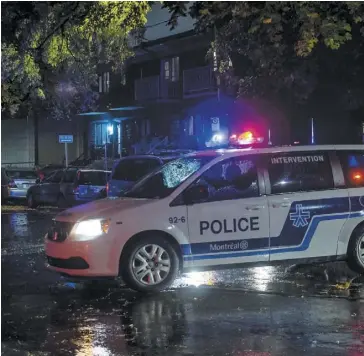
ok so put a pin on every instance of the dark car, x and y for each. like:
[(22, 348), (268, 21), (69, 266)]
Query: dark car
[(56, 189), (62, 188)]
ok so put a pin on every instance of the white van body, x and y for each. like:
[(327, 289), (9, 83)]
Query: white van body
[(299, 203)]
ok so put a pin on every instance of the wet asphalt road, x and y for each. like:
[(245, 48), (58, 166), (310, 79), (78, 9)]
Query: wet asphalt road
[(264, 311)]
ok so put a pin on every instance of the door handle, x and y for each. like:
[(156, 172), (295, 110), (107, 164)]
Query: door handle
[(281, 205), (254, 207)]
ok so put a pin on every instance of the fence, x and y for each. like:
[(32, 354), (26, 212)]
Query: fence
[(18, 164)]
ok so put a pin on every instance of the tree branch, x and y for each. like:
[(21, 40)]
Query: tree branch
[(59, 26)]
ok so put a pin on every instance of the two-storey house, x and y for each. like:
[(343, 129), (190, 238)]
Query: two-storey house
[(167, 93)]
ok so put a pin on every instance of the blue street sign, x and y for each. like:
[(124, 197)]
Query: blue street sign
[(65, 138)]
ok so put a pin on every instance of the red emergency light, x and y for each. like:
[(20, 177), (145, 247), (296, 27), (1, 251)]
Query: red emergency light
[(245, 138), (356, 177)]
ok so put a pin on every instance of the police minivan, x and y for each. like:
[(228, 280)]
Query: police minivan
[(221, 208)]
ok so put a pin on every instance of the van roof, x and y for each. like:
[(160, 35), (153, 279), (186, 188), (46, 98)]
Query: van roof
[(231, 152)]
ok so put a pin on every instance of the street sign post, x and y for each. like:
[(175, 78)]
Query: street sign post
[(65, 139)]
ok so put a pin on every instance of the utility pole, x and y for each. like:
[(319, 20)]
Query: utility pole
[(312, 132)]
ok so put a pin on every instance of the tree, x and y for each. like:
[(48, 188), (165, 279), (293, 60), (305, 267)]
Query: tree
[(51, 50), (285, 49)]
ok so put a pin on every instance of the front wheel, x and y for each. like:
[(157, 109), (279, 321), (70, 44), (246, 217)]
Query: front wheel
[(356, 252), (149, 265)]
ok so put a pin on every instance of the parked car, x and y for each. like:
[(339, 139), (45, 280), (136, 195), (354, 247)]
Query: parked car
[(4, 186), (129, 170), (63, 187), (90, 185), (55, 189), (19, 180)]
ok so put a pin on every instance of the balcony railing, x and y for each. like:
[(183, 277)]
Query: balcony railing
[(195, 82), (198, 81), (154, 88)]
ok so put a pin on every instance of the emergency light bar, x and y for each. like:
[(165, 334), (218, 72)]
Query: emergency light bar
[(245, 139)]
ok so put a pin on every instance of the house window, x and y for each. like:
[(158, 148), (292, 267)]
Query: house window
[(175, 69), (106, 82), (123, 78), (166, 70), (171, 69), (100, 84)]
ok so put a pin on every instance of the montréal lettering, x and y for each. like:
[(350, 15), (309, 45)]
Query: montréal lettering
[(228, 226)]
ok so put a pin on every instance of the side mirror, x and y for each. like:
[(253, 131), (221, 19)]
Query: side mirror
[(196, 193)]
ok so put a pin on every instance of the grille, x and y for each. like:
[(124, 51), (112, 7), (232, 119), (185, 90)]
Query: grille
[(70, 263), (59, 231)]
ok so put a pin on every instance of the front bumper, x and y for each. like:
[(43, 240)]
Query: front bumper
[(93, 258)]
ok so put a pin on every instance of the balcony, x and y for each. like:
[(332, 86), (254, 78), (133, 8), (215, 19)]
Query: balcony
[(198, 81), (155, 89)]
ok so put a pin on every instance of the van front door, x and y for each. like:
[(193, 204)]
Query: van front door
[(232, 224)]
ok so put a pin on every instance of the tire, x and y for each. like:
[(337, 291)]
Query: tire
[(148, 284), (61, 202), (32, 204), (355, 252)]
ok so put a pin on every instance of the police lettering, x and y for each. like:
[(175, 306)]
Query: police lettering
[(226, 227), (297, 159)]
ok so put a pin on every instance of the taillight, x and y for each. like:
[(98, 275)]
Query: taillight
[(107, 188), (12, 184)]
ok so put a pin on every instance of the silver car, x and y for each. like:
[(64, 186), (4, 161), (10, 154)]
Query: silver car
[(19, 181)]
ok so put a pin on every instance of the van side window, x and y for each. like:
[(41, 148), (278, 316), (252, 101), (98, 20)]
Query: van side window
[(352, 163), (299, 172), (235, 178)]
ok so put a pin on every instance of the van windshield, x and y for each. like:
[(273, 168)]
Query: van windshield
[(163, 181)]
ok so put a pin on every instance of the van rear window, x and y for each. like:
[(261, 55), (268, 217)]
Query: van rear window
[(352, 163), (92, 178)]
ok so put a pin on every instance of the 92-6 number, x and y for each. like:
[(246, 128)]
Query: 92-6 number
[(175, 219)]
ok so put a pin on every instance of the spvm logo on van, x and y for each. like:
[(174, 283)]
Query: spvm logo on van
[(300, 217)]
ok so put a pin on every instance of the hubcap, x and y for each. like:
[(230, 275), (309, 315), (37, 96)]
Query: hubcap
[(151, 264), (360, 250)]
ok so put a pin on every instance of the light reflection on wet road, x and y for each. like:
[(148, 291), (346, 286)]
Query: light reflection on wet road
[(248, 312)]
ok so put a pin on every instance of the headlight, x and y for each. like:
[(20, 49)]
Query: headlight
[(90, 229)]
